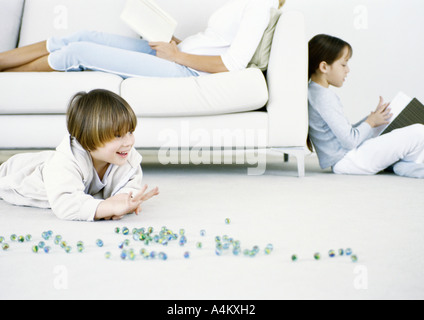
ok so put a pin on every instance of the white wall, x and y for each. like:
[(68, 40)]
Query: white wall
[(387, 37)]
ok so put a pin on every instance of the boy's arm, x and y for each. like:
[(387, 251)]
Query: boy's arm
[(121, 204), (124, 200), (134, 182), (65, 190)]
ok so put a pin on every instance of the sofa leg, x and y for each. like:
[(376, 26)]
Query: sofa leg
[(301, 165), (299, 153)]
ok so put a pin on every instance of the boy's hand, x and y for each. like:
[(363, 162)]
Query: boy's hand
[(142, 196), (380, 116), (121, 204)]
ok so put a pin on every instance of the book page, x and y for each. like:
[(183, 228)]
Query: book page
[(397, 105), (147, 19)]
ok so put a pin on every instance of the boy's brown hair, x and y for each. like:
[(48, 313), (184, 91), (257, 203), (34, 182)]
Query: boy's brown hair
[(97, 117)]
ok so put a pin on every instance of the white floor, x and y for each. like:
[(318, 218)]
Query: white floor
[(381, 218)]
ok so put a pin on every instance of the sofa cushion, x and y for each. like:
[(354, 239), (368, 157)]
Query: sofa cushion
[(48, 92), (45, 18), (220, 93), (10, 22)]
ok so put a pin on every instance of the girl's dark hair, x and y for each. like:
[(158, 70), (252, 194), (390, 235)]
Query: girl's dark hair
[(326, 48)]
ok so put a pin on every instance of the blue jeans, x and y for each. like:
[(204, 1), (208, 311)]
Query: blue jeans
[(124, 56)]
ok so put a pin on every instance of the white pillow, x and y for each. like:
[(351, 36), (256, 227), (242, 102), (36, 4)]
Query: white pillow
[(10, 22), (261, 57)]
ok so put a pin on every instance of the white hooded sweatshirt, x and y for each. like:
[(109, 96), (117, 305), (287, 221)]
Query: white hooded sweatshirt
[(65, 180)]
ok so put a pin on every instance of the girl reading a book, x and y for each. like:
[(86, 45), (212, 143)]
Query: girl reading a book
[(94, 174), (229, 43), (354, 149)]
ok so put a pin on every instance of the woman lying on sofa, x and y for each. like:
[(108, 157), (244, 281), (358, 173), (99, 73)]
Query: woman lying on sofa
[(226, 45)]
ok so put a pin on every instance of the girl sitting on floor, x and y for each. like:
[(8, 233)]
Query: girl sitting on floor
[(354, 149)]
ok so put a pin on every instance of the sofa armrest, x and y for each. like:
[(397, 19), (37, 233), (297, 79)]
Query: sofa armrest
[(287, 79)]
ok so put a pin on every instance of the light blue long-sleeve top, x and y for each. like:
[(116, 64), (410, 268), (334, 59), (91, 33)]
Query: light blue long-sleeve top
[(329, 130)]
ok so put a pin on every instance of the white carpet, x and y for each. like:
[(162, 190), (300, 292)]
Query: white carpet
[(381, 218)]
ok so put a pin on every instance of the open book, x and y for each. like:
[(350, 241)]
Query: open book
[(147, 19), (406, 111)]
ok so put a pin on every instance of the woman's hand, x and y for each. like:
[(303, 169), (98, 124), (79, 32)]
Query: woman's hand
[(170, 51), (164, 50), (178, 41), (381, 116), (121, 204)]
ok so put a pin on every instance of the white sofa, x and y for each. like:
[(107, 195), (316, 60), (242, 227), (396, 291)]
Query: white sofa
[(236, 110)]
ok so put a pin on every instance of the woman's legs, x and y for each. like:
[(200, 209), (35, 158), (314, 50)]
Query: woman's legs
[(22, 56), (90, 50), (403, 147), (38, 65), (35, 57), (80, 56), (106, 39)]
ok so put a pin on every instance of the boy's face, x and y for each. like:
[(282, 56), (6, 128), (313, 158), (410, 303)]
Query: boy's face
[(336, 73), (116, 151)]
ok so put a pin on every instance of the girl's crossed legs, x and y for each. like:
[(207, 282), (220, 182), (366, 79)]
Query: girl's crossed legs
[(402, 148)]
